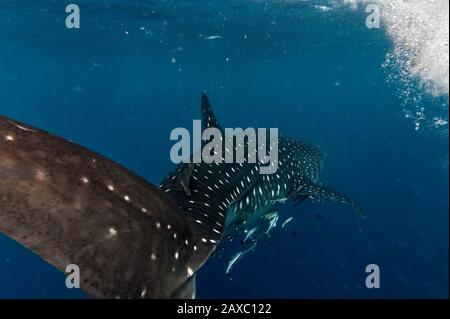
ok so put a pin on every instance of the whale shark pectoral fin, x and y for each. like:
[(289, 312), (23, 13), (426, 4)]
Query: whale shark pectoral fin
[(208, 117), (313, 190)]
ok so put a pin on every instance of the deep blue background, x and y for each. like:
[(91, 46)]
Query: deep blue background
[(112, 86)]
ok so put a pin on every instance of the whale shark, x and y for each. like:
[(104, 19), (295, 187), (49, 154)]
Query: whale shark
[(129, 238), (72, 206), (231, 198)]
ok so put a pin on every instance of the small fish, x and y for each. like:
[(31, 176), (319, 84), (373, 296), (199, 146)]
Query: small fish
[(270, 215), (233, 261), (272, 222), (286, 222), (213, 37), (250, 233), (236, 257)]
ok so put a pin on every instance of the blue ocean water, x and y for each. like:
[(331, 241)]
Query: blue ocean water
[(135, 70)]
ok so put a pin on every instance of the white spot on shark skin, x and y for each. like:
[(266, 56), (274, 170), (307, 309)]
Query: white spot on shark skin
[(111, 187), (127, 198), (169, 226), (143, 209), (143, 293), (112, 231), (41, 175), (176, 255), (158, 225), (24, 128), (204, 240), (190, 272), (85, 179), (153, 256), (9, 138)]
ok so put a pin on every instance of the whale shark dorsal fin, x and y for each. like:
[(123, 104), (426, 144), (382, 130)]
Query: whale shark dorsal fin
[(208, 118)]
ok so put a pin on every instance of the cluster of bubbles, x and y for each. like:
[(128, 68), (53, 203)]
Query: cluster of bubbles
[(418, 62)]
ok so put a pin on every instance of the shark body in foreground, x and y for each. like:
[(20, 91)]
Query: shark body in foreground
[(73, 206)]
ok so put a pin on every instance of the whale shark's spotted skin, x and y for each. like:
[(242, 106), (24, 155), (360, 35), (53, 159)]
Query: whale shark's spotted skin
[(230, 197)]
